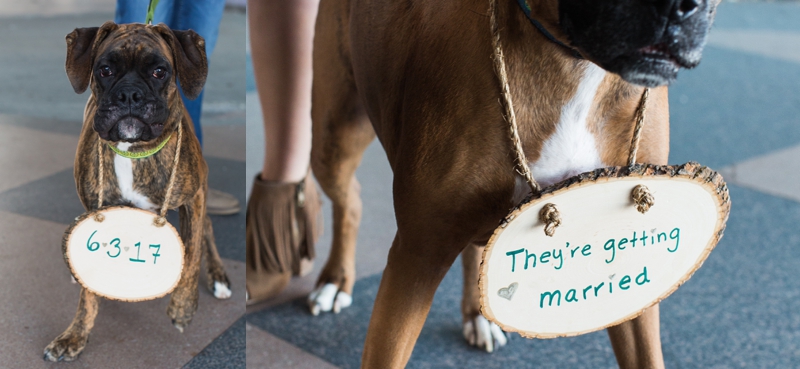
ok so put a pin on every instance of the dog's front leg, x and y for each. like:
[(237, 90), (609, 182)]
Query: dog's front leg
[(477, 330), (68, 345), (183, 303), (218, 282)]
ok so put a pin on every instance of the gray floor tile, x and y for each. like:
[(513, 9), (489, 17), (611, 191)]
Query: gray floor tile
[(269, 352), (52, 125), (776, 173), (53, 7), (226, 352), (224, 141), (734, 106), (28, 155)]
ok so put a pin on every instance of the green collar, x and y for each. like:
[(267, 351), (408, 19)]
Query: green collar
[(140, 154)]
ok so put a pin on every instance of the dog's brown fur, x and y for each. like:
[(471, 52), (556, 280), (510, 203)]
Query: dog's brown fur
[(186, 52), (421, 73)]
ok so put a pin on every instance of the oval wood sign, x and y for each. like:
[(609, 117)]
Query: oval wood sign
[(606, 262), (126, 256)]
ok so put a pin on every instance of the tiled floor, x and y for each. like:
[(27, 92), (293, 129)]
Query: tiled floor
[(738, 112), (40, 122)]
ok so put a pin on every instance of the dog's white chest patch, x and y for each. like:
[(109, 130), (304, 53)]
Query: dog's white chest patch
[(572, 149), (123, 167)]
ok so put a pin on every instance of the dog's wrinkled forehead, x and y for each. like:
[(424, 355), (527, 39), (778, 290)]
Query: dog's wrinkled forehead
[(132, 42), (182, 49)]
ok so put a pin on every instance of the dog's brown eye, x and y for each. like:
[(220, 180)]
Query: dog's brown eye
[(105, 71), (159, 73)]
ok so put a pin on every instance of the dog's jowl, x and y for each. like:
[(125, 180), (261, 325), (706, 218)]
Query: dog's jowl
[(133, 72)]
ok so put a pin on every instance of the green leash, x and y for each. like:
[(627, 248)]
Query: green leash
[(151, 9), (140, 154)]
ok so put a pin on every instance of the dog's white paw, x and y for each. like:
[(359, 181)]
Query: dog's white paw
[(221, 291), (484, 334), (328, 298)]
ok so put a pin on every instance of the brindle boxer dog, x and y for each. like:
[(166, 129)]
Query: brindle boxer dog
[(421, 72), (133, 70)]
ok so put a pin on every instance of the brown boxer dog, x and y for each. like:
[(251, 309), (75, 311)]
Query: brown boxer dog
[(133, 70), (418, 75)]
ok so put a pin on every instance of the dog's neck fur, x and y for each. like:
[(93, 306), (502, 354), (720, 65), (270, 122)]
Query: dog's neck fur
[(572, 148), (573, 116)]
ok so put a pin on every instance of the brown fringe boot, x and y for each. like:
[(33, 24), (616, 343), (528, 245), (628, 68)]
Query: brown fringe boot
[(283, 223)]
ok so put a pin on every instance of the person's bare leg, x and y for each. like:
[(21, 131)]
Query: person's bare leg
[(281, 38)]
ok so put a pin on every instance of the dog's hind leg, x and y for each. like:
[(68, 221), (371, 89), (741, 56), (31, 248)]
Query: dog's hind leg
[(478, 331), (183, 303), (637, 343), (217, 279), (341, 133), (68, 345)]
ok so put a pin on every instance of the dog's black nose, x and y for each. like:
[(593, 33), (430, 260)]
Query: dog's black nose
[(129, 96), (685, 8), (676, 10)]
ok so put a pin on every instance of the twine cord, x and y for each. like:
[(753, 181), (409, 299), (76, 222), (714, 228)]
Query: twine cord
[(640, 194), (159, 220), (549, 215), (505, 101), (637, 129), (643, 199), (101, 172)]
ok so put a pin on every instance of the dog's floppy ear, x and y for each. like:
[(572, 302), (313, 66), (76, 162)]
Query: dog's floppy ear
[(189, 55), (81, 44)]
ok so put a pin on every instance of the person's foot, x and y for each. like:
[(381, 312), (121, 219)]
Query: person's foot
[(221, 203), (283, 224)]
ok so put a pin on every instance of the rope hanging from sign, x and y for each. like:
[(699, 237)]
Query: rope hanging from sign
[(507, 104), (161, 219), (640, 195), (549, 215), (637, 129)]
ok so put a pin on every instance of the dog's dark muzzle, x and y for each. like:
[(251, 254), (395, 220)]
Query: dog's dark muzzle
[(646, 41), (128, 114)]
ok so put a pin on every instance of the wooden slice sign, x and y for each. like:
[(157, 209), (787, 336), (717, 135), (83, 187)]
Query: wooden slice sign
[(126, 256), (606, 262)]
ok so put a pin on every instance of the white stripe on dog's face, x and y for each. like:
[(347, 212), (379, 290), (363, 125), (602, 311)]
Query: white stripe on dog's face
[(571, 149), (123, 167)]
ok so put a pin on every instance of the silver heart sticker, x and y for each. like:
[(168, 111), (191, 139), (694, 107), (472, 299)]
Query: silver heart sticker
[(508, 292)]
